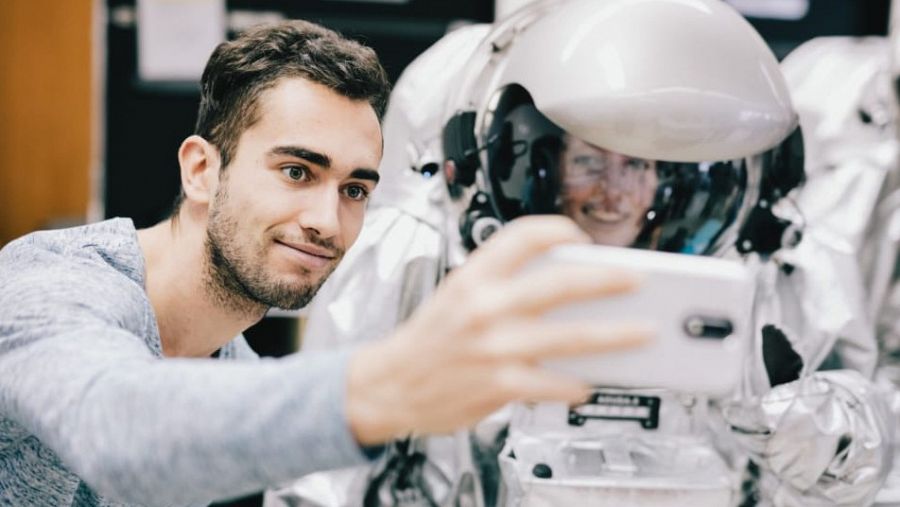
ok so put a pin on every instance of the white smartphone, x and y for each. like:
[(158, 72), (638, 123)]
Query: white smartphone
[(700, 308)]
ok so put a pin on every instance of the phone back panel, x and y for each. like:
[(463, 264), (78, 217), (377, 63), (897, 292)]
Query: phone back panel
[(699, 307)]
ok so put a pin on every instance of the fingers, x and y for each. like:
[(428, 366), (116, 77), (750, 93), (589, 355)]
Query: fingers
[(536, 341), (528, 383), (484, 331), (519, 242)]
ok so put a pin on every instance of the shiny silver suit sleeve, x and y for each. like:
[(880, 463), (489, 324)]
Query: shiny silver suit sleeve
[(825, 439)]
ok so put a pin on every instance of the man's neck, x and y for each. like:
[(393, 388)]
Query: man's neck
[(191, 321)]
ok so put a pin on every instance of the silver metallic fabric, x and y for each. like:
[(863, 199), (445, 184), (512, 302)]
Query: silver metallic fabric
[(825, 439), (844, 91)]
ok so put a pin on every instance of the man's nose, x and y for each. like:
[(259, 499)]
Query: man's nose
[(321, 213)]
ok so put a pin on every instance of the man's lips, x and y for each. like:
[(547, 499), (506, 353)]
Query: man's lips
[(308, 255), (309, 248)]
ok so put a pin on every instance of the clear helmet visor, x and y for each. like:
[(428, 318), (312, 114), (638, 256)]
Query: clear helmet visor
[(533, 166)]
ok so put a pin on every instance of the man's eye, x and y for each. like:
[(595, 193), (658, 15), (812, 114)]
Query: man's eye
[(296, 173), (356, 192)]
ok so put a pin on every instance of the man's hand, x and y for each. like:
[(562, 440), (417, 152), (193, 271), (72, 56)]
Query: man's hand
[(478, 342)]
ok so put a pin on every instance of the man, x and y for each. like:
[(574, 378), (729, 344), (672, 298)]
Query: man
[(109, 393)]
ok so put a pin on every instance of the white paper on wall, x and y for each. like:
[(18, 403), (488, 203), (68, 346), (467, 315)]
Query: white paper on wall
[(176, 37), (790, 10)]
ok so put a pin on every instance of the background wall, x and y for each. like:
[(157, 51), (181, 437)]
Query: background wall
[(45, 113)]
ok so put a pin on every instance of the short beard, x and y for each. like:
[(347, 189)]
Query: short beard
[(237, 282)]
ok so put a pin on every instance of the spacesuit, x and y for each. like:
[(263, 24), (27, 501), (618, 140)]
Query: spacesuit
[(679, 109), (844, 89)]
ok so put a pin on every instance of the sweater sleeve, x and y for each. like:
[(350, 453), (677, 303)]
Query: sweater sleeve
[(152, 431)]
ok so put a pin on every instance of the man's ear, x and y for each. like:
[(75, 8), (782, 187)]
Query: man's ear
[(199, 161)]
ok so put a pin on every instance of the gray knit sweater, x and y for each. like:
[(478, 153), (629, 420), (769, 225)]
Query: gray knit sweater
[(92, 414)]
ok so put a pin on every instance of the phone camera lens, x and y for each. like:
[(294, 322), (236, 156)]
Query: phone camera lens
[(700, 326)]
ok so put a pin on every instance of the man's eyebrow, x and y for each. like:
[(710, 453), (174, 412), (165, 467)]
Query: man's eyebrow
[(311, 156), (322, 160), (366, 174)]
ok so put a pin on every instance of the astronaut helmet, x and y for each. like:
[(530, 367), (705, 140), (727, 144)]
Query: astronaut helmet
[(659, 124)]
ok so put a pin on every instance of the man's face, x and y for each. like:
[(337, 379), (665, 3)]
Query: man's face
[(292, 199), (606, 194)]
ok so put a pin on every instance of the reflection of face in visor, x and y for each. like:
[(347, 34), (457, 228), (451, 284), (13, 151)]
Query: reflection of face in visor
[(605, 193), (534, 166)]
